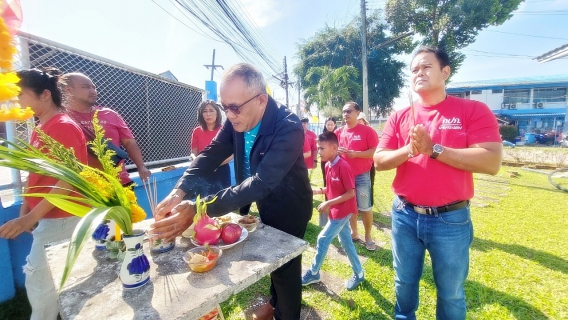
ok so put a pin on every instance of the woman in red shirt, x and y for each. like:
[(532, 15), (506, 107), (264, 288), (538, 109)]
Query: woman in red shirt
[(39, 91), (210, 120)]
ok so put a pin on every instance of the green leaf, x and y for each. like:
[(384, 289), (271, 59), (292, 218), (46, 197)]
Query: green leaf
[(81, 234), (68, 206)]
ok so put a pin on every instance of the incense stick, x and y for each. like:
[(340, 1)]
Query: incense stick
[(411, 102), (152, 193)]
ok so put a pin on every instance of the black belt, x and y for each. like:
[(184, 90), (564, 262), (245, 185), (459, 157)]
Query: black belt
[(432, 210)]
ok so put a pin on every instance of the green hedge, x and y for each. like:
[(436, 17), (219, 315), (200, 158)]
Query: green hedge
[(509, 133)]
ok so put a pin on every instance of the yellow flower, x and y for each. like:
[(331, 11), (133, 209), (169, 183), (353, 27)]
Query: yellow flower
[(7, 48), (102, 186), (130, 195), (8, 86), (138, 213)]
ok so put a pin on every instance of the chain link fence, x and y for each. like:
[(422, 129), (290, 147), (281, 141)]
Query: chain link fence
[(161, 112)]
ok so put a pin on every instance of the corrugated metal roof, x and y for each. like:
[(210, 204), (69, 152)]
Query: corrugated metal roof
[(527, 113), (524, 82), (554, 54)]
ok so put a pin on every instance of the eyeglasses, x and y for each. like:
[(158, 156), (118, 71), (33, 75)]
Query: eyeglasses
[(347, 111), (237, 109)]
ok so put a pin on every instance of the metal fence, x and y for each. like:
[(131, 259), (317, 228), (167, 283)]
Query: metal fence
[(160, 112)]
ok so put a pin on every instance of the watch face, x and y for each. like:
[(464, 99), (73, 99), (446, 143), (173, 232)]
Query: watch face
[(438, 148)]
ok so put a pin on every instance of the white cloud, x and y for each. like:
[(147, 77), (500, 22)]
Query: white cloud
[(264, 12)]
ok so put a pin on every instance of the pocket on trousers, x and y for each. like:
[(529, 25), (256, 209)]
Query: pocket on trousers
[(456, 217)]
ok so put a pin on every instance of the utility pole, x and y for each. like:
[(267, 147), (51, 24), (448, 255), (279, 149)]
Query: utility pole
[(285, 81), (213, 66), (364, 58), (298, 106)]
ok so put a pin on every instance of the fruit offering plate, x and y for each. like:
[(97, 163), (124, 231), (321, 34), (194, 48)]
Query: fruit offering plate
[(221, 244)]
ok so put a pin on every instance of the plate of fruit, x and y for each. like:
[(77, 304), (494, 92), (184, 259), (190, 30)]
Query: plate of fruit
[(228, 235)]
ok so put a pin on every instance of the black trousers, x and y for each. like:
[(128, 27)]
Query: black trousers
[(286, 281)]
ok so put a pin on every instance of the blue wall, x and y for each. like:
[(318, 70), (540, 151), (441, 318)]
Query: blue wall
[(13, 252)]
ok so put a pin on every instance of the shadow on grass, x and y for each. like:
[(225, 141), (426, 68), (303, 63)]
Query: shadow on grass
[(477, 296), (545, 259), (17, 308)]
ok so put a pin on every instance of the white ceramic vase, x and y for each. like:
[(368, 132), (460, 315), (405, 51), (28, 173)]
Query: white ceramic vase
[(135, 269), (104, 233)]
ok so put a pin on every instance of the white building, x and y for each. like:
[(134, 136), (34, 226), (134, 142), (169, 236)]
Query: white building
[(533, 104)]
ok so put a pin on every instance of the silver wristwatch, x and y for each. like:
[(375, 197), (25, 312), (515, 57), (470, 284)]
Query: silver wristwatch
[(437, 149)]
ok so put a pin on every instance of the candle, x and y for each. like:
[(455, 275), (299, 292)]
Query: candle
[(118, 235)]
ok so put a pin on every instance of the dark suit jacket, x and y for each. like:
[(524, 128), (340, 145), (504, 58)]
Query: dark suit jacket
[(279, 180)]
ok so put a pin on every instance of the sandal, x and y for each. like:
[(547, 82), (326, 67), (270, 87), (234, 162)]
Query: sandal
[(358, 241), (371, 246)]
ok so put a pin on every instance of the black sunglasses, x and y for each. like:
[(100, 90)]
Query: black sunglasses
[(237, 109)]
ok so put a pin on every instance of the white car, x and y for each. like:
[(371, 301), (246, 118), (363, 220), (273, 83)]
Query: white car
[(564, 142)]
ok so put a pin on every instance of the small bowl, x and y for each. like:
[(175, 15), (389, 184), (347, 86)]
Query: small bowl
[(160, 245), (202, 266), (249, 226)]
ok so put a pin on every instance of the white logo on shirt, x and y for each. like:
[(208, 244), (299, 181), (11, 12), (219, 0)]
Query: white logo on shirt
[(335, 179), (451, 124), (356, 138)]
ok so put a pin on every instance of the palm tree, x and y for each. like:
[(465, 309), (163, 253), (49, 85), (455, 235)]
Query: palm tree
[(334, 87)]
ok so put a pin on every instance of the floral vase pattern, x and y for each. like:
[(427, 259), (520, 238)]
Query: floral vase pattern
[(135, 269), (103, 233)]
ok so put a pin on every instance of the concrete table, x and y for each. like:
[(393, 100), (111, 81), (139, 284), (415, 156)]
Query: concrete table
[(94, 291)]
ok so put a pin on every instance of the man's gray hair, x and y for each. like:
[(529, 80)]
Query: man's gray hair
[(253, 79)]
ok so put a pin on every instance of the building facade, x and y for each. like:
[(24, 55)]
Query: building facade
[(533, 105)]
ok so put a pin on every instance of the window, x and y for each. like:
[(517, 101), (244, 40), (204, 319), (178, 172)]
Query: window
[(497, 91), (475, 91), (516, 96), (549, 95)]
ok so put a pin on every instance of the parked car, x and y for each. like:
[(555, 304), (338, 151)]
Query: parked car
[(564, 141), (547, 138)]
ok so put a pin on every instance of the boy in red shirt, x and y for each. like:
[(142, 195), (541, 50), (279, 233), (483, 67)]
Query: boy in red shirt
[(340, 190)]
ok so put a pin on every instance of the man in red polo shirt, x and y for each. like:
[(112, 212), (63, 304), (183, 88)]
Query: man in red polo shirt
[(357, 144), (309, 145), (435, 145)]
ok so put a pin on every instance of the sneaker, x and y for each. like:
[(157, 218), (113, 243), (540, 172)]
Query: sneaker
[(353, 282), (309, 278)]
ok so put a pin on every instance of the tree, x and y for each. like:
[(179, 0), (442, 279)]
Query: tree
[(448, 24), (338, 47), (333, 88)]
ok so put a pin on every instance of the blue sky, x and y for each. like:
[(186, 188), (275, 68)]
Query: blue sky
[(140, 34)]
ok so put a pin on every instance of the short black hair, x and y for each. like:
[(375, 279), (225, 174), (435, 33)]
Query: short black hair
[(354, 104), (440, 54), (306, 120), (328, 136)]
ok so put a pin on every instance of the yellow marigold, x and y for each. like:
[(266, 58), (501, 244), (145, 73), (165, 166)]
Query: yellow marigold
[(130, 194), (7, 48), (8, 88), (138, 213), (100, 184)]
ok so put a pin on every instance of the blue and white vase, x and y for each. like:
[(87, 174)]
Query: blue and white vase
[(135, 269), (103, 233)]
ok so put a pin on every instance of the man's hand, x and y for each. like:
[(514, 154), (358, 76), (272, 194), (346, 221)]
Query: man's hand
[(351, 153), (421, 141), (180, 218), (324, 207), (165, 206), (15, 227), (144, 173)]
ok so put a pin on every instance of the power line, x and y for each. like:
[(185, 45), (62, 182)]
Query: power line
[(527, 35)]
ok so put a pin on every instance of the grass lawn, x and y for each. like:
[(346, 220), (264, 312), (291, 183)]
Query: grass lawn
[(518, 267)]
